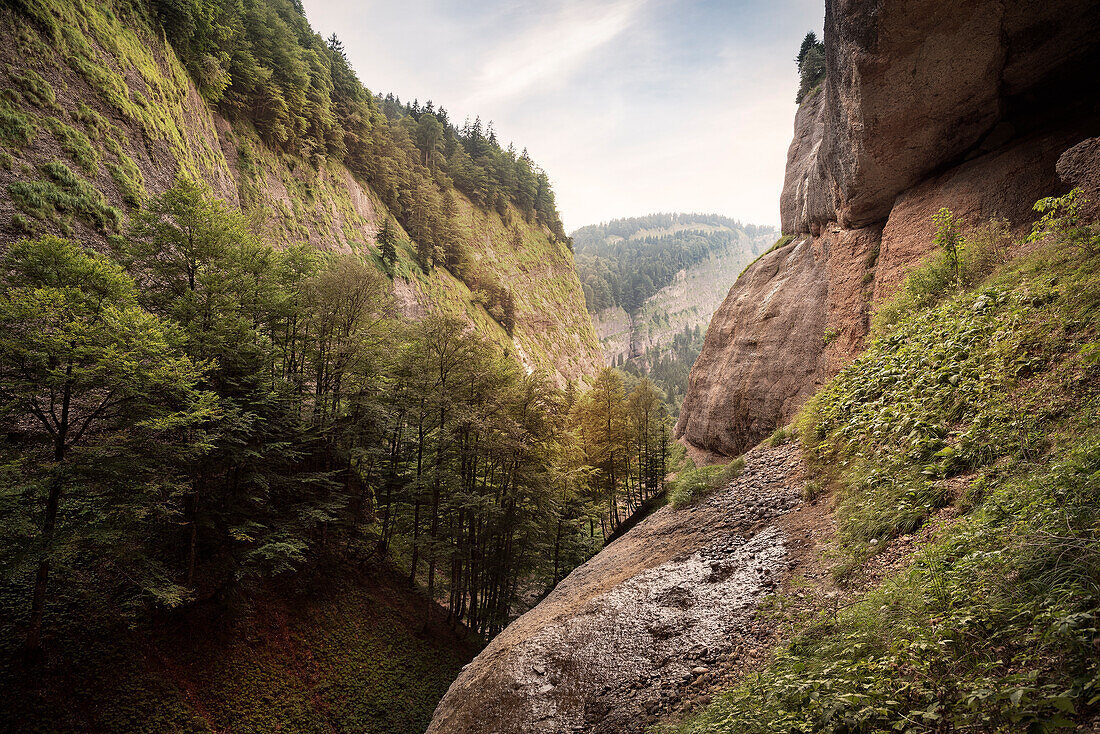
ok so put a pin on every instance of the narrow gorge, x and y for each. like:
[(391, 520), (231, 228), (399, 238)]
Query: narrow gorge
[(315, 418), (980, 107)]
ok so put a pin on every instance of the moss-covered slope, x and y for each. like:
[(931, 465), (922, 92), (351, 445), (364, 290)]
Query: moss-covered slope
[(96, 112)]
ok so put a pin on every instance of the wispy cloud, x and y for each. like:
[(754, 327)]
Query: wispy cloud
[(550, 49)]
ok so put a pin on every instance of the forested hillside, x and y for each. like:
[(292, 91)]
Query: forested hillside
[(265, 335), (625, 261), (653, 282), (99, 114)]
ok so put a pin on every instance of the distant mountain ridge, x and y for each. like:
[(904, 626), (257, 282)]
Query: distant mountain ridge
[(625, 261)]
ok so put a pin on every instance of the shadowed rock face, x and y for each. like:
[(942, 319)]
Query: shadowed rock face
[(926, 104)]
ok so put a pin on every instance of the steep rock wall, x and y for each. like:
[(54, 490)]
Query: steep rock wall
[(926, 104)]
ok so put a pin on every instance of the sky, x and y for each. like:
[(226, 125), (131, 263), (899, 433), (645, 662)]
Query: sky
[(630, 106)]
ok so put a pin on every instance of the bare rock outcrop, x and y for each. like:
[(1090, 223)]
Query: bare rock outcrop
[(925, 104), (764, 316), (1080, 167)]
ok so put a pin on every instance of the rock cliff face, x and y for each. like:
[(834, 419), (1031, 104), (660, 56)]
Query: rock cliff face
[(925, 104)]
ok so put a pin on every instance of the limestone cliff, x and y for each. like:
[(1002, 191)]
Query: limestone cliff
[(925, 104)]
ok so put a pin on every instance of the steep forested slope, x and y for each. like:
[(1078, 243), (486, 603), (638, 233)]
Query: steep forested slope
[(98, 112), (265, 337)]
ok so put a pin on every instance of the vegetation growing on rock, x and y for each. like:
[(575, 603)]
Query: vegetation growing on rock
[(983, 397)]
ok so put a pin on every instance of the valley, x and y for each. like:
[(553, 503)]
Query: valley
[(652, 284), (315, 419)]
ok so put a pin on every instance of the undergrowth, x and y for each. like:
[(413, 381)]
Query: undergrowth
[(349, 658), (16, 128), (75, 144), (62, 193), (981, 389), (696, 482)]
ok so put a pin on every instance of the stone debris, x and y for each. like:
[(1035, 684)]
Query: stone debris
[(639, 630)]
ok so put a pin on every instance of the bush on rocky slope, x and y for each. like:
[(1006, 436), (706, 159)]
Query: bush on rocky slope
[(989, 400)]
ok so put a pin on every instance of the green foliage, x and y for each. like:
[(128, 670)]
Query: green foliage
[(1062, 220), (624, 434), (339, 430), (780, 436), (811, 67), (696, 482), (21, 225), (262, 61), (75, 144), (949, 239), (387, 242), (91, 119), (102, 395), (111, 88), (34, 89), (126, 174), (16, 128), (63, 193), (347, 657), (993, 627), (983, 248)]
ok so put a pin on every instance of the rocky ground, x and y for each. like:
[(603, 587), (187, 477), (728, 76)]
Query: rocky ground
[(684, 603)]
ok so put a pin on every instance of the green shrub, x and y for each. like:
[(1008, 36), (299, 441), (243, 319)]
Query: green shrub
[(35, 89), (130, 189), (780, 436), (110, 87), (696, 482), (813, 489), (21, 225), (16, 127), (63, 192), (968, 261), (126, 174), (1062, 219), (75, 144), (91, 119)]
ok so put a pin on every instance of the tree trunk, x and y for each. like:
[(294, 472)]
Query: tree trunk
[(33, 642)]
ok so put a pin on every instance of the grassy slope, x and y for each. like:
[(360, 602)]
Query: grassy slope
[(989, 401), (346, 658), (107, 100)]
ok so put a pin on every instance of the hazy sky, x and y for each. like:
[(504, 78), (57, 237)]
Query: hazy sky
[(631, 106)]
